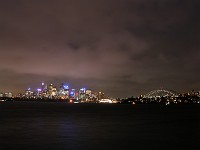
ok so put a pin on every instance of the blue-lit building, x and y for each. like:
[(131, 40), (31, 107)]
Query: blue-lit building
[(73, 93), (64, 91)]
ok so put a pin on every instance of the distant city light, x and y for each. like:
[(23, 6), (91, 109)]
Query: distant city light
[(65, 86), (39, 90), (83, 89), (83, 95)]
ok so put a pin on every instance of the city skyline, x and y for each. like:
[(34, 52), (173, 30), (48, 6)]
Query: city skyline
[(57, 90), (124, 48)]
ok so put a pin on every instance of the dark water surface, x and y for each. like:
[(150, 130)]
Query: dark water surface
[(39, 125)]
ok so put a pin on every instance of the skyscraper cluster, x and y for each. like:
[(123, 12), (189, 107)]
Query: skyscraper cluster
[(49, 91)]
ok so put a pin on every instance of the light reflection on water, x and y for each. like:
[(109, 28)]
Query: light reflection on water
[(98, 126)]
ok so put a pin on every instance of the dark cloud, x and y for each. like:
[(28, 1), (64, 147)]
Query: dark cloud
[(123, 48)]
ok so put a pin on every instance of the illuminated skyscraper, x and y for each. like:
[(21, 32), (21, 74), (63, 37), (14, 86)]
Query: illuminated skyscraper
[(88, 94), (52, 91), (100, 95), (73, 93), (64, 91), (82, 93), (28, 93), (43, 86)]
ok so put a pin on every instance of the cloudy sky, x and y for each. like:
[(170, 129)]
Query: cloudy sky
[(121, 47)]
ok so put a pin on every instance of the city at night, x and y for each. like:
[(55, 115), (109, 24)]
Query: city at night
[(99, 74), (64, 93)]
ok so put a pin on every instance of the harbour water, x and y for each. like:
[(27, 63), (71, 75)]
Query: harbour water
[(64, 126)]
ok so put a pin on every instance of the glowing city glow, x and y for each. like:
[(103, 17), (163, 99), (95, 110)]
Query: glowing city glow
[(84, 95)]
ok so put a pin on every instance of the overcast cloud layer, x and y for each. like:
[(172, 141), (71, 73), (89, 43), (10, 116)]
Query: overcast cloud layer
[(121, 47)]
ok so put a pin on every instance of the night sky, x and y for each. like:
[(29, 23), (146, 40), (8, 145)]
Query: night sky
[(121, 47)]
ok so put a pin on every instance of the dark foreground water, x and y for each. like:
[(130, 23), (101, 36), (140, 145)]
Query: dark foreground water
[(46, 126)]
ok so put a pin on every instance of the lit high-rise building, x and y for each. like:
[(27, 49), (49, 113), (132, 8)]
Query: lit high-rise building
[(100, 95), (52, 91), (64, 91), (73, 93), (82, 93)]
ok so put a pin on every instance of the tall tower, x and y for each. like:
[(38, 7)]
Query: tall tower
[(43, 86)]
